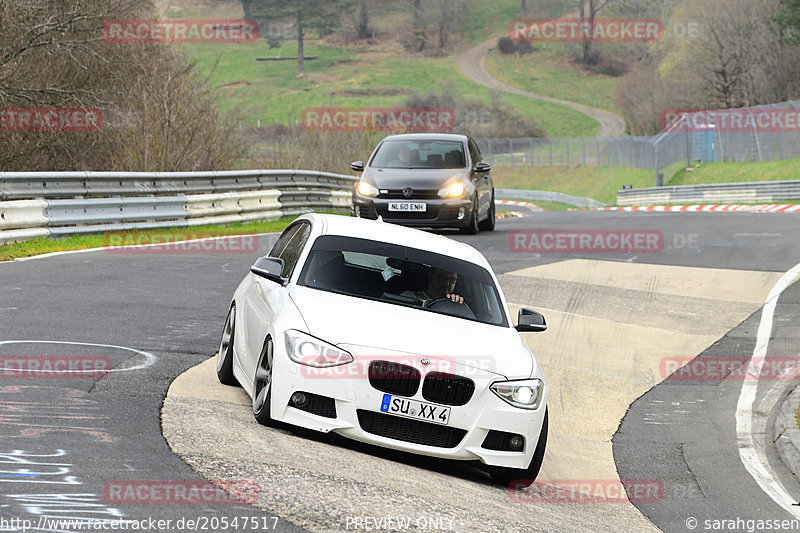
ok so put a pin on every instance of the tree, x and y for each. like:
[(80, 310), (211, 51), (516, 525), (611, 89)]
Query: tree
[(445, 22), (588, 11), (418, 26), (788, 18), (156, 113), (320, 16), (364, 31)]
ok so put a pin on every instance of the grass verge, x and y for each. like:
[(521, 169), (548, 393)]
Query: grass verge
[(550, 71), (45, 245), (270, 91)]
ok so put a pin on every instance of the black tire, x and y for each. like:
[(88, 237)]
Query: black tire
[(524, 477), (472, 224), (488, 224), (262, 386), (225, 351)]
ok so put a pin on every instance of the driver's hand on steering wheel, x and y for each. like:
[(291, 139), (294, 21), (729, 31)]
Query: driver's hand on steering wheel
[(456, 298)]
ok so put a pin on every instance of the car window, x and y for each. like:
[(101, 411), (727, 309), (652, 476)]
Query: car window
[(403, 276), (419, 154), (474, 153), (290, 245)]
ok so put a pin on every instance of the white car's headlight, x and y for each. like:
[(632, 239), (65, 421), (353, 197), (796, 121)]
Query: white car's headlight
[(307, 350), (365, 189), (525, 394), (455, 189)]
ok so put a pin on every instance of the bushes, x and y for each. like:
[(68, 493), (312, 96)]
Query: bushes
[(507, 46)]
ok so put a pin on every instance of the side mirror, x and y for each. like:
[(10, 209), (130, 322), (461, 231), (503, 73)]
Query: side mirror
[(358, 166), (269, 268), (483, 167), (529, 320)]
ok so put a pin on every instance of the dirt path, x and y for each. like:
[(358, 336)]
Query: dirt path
[(473, 64)]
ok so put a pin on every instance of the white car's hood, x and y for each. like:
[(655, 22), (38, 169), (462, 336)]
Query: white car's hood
[(366, 327)]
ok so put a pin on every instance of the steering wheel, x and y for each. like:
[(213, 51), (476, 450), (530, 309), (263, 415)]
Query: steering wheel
[(431, 303), (449, 307)]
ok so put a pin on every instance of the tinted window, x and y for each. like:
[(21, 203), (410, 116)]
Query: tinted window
[(474, 153), (404, 276), (419, 154), (290, 245)]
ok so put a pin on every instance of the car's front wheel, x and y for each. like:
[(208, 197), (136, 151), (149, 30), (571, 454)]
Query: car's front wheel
[(262, 385), (225, 352), (472, 223), (524, 477), (488, 224)]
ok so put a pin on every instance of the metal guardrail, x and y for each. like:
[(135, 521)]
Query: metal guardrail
[(34, 204), (749, 192), (546, 196)]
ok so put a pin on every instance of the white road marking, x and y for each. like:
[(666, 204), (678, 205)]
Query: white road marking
[(149, 359), (755, 465)]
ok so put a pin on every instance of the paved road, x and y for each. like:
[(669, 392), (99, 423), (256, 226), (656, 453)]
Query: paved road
[(72, 437), (472, 63)]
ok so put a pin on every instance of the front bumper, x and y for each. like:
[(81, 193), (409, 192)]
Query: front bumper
[(438, 213), (354, 412)]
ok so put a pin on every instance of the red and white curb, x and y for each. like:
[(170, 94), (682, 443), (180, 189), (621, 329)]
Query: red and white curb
[(529, 205), (767, 208)]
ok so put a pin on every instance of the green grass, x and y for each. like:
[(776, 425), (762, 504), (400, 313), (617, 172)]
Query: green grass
[(549, 71), (491, 18), (250, 90), (600, 183), (738, 172), (45, 245)]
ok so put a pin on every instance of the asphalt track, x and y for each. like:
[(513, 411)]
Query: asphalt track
[(615, 318)]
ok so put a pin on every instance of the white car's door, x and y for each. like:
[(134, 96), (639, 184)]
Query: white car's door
[(263, 298)]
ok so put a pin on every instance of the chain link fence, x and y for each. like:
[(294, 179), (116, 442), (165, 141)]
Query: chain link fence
[(761, 133)]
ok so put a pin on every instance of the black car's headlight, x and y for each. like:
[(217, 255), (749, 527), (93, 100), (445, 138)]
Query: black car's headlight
[(525, 394), (455, 189), (307, 350), (366, 189)]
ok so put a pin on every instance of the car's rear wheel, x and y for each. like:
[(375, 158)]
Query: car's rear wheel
[(524, 477), (225, 352), (472, 224), (488, 224), (262, 385)]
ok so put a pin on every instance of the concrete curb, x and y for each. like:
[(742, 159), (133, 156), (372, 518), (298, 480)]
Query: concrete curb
[(787, 434)]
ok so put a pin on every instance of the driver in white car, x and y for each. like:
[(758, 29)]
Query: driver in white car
[(440, 285)]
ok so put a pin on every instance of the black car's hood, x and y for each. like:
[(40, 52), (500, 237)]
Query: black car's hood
[(417, 178)]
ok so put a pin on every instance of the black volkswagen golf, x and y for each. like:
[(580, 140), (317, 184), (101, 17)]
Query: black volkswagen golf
[(426, 180)]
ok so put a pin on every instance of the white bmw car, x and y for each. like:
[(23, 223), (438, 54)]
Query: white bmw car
[(390, 336)]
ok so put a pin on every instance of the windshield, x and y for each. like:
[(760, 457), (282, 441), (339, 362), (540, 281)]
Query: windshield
[(419, 154), (403, 276)]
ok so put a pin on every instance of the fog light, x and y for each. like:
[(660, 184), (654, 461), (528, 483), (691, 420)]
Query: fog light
[(299, 399), (516, 442), (461, 212)]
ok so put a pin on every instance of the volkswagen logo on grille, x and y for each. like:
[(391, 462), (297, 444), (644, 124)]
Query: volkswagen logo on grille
[(408, 192)]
